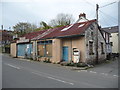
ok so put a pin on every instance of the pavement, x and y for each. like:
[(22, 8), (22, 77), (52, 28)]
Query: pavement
[(0, 72), (23, 73)]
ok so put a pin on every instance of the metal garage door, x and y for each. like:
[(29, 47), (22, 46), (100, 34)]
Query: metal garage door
[(24, 50)]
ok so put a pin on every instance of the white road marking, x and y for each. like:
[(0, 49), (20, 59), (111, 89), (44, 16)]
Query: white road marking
[(28, 60), (12, 66), (53, 78), (37, 73), (104, 74), (92, 72), (83, 70), (115, 75), (60, 80)]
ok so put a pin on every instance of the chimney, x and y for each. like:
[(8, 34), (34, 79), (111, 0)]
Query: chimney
[(82, 15), (82, 18)]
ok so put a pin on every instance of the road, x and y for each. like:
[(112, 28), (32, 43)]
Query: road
[(19, 73)]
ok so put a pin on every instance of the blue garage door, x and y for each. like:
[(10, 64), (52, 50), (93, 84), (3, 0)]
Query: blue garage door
[(65, 53), (21, 50), (24, 50), (28, 50)]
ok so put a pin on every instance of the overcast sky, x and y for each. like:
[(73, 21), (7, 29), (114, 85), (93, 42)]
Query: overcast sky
[(34, 11)]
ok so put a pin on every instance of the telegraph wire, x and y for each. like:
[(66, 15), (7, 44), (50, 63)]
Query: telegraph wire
[(90, 3), (107, 22), (108, 4), (108, 16)]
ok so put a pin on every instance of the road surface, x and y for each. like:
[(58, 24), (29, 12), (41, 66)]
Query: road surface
[(19, 73)]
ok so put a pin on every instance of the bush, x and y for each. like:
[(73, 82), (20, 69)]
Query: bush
[(47, 61), (76, 64), (70, 64), (81, 65), (63, 63)]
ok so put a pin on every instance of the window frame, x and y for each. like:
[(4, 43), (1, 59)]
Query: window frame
[(91, 48), (102, 48), (45, 43)]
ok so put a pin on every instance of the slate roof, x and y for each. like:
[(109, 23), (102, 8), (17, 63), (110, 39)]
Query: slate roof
[(113, 29)]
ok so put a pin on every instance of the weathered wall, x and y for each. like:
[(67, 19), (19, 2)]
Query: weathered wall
[(58, 44), (78, 43), (34, 49), (56, 50), (114, 39), (13, 49), (92, 38)]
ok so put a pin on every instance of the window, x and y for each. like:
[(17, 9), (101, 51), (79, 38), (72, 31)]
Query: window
[(92, 34), (45, 42), (117, 34), (41, 42), (102, 48), (91, 48), (45, 48), (92, 27), (111, 43)]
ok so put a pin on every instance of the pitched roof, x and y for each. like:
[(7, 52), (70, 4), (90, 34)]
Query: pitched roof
[(69, 30), (113, 29), (33, 34)]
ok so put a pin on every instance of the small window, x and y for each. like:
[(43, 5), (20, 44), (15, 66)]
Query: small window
[(46, 42), (41, 42), (91, 27), (92, 35), (50, 41), (102, 48), (91, 48), (110, 35), (111, 43)]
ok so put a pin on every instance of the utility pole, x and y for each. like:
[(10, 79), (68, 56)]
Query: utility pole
[(2, 27), (97, 7)]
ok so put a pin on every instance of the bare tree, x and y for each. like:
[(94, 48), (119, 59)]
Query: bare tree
[(61, 20)]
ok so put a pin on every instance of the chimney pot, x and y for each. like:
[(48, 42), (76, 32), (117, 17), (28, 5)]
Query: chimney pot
[(82, 15)]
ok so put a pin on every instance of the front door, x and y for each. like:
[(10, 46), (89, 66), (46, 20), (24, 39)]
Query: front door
[(65, 53)]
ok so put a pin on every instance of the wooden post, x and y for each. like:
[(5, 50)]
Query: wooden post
[(97, 7)]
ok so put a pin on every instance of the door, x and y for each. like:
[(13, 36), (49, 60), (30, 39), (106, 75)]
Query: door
[(65, 53), (28, 50), (21, 50)]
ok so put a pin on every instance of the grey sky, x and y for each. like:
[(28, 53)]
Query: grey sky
[(34, 11)]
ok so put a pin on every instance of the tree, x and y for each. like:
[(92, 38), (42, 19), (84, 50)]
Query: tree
[(23, 27), (62, 20), (44, 25)]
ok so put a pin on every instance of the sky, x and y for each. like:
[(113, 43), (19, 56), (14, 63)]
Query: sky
[(35, 11)]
